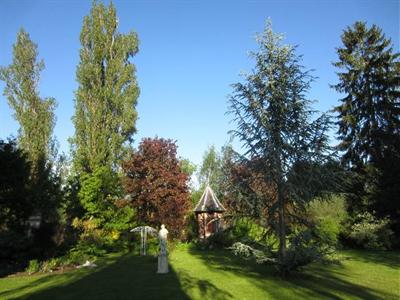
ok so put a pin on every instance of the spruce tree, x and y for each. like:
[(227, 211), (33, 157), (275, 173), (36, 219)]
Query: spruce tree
[(369, 113), (369, 119), (105, 101)]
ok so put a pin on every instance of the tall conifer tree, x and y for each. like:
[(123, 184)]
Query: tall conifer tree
[(369, 119), (274, 123), (369, 78)]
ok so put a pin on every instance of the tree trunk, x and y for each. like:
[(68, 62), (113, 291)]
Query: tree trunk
[(281, 228)]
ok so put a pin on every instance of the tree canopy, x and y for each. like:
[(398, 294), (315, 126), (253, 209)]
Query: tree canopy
[(34, 114), (157, 185)]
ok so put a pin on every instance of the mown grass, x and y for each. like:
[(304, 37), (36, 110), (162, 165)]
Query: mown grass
[(214, 274)]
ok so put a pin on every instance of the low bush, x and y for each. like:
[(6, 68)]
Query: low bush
[(371, 233), (241, 230), (33, 267), (329, 216), (247, 252)]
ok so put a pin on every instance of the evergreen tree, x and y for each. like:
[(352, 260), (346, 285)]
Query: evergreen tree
[(105, 101), (369, 119), (34, 114), (274, 124), (369, 113)]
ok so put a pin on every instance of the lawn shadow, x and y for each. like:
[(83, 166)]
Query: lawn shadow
[(316, 282), (207, 289), (129, 277)]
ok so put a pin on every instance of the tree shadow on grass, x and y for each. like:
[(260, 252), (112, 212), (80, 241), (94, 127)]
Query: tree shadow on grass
[(313, 283), (207, 289), (130, 277)]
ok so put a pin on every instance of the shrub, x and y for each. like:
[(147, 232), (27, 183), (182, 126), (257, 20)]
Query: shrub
[(247, 251), (33, 267), (304, 248), (371, 233), (50, 265), (329, 216), (242, 230)]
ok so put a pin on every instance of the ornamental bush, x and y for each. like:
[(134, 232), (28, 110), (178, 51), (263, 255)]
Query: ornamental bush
[(371, 233)]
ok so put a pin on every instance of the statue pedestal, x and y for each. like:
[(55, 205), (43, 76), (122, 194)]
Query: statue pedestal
[(162, 264)]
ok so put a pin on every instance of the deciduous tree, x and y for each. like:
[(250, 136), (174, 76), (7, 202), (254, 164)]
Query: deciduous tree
[(34, 114), (157, 184), (107, 92)]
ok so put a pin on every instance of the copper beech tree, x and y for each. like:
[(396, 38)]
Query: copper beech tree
[(157, 185)]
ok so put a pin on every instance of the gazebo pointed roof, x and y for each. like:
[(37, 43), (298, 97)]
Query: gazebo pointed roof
[(209, 202)]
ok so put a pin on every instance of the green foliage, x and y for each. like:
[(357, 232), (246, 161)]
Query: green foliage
[(278, 128), (107, 93), (50, 265), (210, 171), (247, 252), (369, 120), (303, 249), (330, 217), (369, 115), (242, 230), (371, 233), (15, 203), (33, 267), (34, 114), (97, 190), (187, 166), (192, 228)]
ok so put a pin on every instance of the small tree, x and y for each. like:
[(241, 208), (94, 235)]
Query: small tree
[(274, 123), (157, 184)]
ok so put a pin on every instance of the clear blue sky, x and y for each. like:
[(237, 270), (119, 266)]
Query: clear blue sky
[(190, 53)]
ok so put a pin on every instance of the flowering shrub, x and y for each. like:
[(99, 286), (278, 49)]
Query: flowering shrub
[(371, 233)]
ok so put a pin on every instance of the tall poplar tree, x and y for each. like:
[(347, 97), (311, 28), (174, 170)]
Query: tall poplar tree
[(34, 114), (274, 124), (105, 101), (36, 118)]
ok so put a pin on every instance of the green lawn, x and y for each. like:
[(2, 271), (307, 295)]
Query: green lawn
[(214, 275)]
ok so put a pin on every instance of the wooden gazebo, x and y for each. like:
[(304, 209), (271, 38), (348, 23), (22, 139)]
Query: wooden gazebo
[(209, 213)]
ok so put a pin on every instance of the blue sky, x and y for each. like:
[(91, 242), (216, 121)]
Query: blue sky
[(190, 54)]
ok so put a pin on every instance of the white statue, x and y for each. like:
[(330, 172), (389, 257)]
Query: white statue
[(162, 255)]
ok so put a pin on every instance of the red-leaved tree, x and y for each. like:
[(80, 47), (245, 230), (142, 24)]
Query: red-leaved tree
[(157, 185)]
